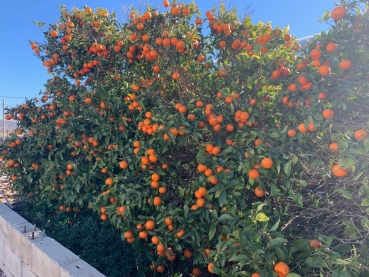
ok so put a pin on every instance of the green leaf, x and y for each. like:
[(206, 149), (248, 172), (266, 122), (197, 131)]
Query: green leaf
[(222, 197), (287, 168), (225, 217), (280, 255), (275, 226), (212, 230), (253, 246), (240, 258), (261, 217), (274, 243), (344, 192), (293, 275), (357, 177)]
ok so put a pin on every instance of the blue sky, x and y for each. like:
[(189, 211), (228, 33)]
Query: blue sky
[(23, 75)]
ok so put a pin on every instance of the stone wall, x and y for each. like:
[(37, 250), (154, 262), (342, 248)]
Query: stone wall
[(24, 255)]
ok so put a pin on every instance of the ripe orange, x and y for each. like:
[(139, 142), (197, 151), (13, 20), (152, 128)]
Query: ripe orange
[(330, 47), (155, 240), (150, 225), (257, 142), (315, 243), (334, 147), (202, 168), (155, 177), (157, 201), (160, 269), (253, 173), (302, 128), (328, 114), (311, 126), (162, 190), (255, 274), (267, 163), (160, 247), (143, 235), (322, 96), (360, 135), (109, 181), (104, 217), (302, 80), (200, 202), (345, 64), (196, 272), (338, 171), (281, 269), (123, 164), (324, 70), (338, 13), (315, 54), (128, 235), (210, 267), (187, 253), (291, 133), (229, 127), (181, 233), (259, 192), (175, 76)]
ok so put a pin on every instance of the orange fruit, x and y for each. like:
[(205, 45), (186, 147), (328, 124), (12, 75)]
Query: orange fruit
[(109, 181), (315, 54), (315, 243), (162, 190), (150, 225), (311, 127), (328, 114), (128, 235), (324, 70), (181, 233), (267, 163), (281, 269), (175, 76), (338, 13), (291, 133), (196, 272), (200, 202), (322, 96), (330, 47), (123, 164), (259, 192), (143, 235), (157, 201), (155, 177), (334, 147), (155, 240), (360, 135), (302, 128), (160, 269), (210, 267), (255, 274), (345, 64), (338, 171), (187, 253), (253, 173)]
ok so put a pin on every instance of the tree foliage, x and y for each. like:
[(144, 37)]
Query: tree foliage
[(209, 139)]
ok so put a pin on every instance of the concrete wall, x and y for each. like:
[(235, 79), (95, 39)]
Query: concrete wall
[(22, 256)]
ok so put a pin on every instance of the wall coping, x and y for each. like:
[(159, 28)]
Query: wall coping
[(25, 255)]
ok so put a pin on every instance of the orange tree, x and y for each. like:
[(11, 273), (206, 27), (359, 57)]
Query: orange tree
[(216, 145)]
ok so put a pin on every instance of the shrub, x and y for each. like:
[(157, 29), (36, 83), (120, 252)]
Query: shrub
[(215, 145)]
